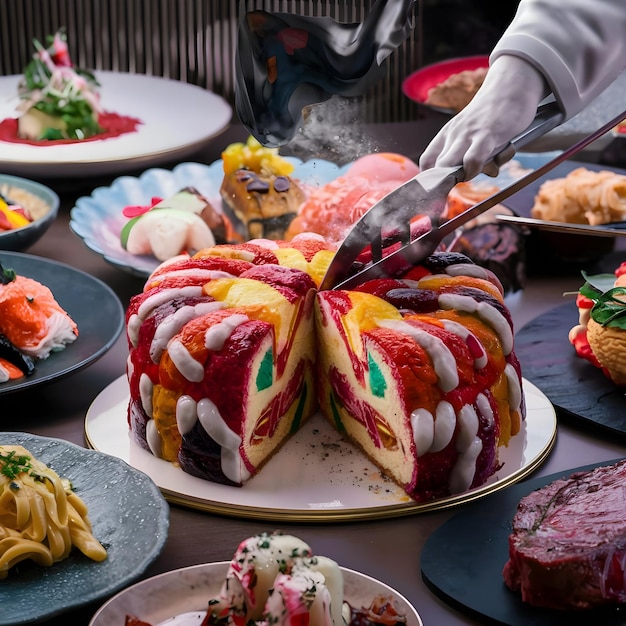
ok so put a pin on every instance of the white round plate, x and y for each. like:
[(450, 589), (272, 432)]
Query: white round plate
[(178, 118), (129, 516), (317, 475), (98, 218), (186, 592)]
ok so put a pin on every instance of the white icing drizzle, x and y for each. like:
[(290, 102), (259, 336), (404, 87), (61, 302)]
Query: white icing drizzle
[(132, 328), (468, 427), (165, 295), (216, 335), (173, 323), (461, 331), (485, 311), (153, 439), (443, 360), (445, 424), (423, 427), (197, 272), (216, 428), (184, 362), (484, 409), (514, 387), (476, 271), (145, 393), (464, 469), (186, 414)]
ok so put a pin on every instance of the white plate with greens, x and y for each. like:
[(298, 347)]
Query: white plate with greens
[(177, 119)]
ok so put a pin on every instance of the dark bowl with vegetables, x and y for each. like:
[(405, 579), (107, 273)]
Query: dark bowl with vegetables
[(27, 210)]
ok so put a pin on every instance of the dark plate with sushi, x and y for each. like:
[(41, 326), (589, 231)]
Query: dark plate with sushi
[(96, 309)]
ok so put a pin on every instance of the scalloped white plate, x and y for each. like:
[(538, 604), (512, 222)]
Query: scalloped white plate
[(178, 118), (98, 218)]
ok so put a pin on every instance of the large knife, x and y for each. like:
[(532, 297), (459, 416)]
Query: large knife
[(426, 195)]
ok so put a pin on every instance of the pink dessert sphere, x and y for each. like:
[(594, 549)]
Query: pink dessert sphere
[(383, 167)]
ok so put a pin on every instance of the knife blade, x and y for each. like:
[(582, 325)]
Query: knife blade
[(415, 251), (389, 220)]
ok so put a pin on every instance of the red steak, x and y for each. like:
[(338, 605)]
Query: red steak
[(568, 545)]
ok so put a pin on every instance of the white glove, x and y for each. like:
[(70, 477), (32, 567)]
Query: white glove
[(503, 107)]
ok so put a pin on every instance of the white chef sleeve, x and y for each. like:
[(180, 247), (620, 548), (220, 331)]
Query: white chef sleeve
[(578, 45)]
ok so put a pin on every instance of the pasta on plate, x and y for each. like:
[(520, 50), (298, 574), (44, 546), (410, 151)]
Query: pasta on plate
[(41, 518)]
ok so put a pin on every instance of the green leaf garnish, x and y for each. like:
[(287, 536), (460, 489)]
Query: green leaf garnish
[(610, 308)]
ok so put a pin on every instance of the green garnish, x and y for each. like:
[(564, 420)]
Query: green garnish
[(7, 276), (13, 464), (609, 308), (54, 86)]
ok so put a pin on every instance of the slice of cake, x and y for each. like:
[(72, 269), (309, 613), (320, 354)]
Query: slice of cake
[(232, 350)]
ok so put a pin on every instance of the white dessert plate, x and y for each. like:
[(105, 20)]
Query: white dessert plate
[(98, 218), (317, 475), (180, 597), (92, 304), (178, 119), (129, 516)]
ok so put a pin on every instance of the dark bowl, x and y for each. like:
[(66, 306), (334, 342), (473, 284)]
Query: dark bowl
[(19, 239)]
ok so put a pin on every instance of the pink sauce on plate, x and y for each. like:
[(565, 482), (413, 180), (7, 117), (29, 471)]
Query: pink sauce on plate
[(113, 124)]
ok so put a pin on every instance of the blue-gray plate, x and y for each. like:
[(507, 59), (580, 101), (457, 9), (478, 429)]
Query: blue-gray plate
[(129, 516), (92, 304)]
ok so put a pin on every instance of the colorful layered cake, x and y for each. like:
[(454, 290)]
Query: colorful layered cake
[(233, 349)]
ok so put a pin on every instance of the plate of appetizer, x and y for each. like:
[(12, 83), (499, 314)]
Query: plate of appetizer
[(58, 119), (334, 594), (318, 475), (105, 555), (159, 136), (63, 332)]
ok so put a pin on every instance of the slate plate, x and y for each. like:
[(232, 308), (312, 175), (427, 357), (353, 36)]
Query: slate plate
[(573, 385), (475, 545), (129, 516)]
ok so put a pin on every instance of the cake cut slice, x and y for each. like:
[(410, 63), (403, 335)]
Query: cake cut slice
[(228, 377), (428, 386)]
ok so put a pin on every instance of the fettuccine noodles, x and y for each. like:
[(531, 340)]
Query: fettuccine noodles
[(41, 518)]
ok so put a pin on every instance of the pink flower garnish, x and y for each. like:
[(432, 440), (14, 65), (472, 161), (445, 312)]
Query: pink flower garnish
[(137, 209), (59, 51)]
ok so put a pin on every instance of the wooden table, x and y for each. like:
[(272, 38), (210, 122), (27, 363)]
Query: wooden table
[(386, 549)]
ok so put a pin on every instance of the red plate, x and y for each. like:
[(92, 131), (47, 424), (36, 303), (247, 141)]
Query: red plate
[(417, 85)]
